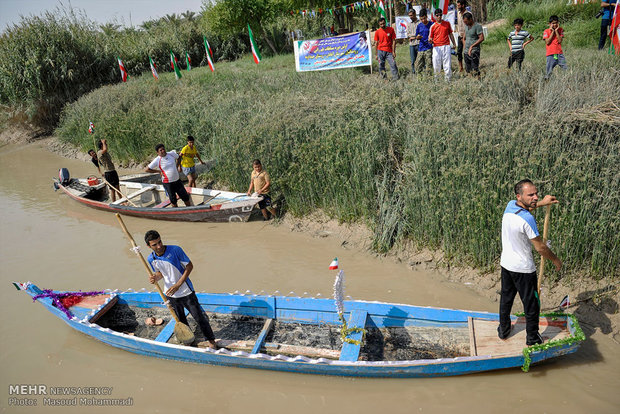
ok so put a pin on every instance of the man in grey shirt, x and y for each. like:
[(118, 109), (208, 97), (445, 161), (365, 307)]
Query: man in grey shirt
[(474, 36), (413, 41)]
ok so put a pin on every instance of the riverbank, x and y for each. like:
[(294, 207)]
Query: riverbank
[(594, 302)]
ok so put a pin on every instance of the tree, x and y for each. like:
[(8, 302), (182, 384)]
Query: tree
[(230, 17)]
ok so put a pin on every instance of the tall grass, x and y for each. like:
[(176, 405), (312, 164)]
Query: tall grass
[(415, 159), (52, 59)]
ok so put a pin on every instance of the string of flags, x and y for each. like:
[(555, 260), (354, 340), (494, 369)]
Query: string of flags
[(346, 8)]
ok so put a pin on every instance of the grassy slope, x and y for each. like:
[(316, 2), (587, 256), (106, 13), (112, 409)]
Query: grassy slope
[(433, 162)]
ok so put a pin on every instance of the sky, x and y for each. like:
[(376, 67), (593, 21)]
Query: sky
[(121, 12)]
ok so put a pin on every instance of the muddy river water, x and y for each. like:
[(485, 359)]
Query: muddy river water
[(49, 239)]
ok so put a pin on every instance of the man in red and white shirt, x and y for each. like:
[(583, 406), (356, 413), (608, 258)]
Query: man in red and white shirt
[(167, 163), (441, 37), (385, 41)]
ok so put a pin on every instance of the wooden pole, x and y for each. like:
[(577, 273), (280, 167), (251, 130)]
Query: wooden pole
[(541, 270)]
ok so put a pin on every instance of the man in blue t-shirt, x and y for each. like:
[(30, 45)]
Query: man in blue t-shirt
[(424, 59), (607, 7), (172, 264), (519, 233)]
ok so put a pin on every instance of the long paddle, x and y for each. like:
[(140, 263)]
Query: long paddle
[(210, 198), (181, 331), (117, 190), (541, 271)]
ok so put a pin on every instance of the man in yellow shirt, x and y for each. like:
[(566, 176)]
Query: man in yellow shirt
[(188, 153), (261, 183)]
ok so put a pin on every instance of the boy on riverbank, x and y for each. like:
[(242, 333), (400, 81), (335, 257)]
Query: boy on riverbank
[(441, 37), (188, 153), (260, 181), (553, 37), (517, 40), (424, 61)]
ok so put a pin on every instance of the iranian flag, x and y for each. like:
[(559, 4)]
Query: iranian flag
[(91, 127), (209, 54), (188, 61), (439, 4), (174, 63), (334, 264), (381, 9), (255, 51), (124, 74), (614, 30), (153, 69)]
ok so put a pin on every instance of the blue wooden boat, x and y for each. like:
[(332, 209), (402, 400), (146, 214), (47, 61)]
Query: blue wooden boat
[(303, 334)]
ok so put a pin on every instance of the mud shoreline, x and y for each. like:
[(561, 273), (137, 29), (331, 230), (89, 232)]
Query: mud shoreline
[(595, 303)]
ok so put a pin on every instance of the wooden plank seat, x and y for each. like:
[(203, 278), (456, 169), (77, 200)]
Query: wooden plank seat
[(134, 194), (351, 352), (262, 336)]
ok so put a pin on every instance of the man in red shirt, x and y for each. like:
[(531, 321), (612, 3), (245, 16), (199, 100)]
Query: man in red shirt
[(385, 41), (441, 37), (553, 37)]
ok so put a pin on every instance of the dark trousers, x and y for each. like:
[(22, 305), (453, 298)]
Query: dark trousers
[(413, 54), (190, 302), (516, 58), (605, 23), (526, 285), (459, 49), (472, 63), (174, 188)]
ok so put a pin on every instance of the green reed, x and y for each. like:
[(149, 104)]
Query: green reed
[(415, 160)]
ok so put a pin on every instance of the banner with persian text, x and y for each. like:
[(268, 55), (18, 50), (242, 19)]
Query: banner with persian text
[(338, 52)]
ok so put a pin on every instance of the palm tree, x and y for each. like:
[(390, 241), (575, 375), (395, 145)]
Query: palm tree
[(109, 28), (188, 15)]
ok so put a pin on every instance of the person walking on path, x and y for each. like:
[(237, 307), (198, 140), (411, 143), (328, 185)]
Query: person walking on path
[(188, 166), (518, 270), (385, 41), (441, 37), (166, 163), (517, 40), (553, 37), (474, 36), (413, 40), (424, 62), (169, 262)]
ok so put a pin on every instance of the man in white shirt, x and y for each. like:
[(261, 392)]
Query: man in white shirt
[(519, 233), (167, 164)]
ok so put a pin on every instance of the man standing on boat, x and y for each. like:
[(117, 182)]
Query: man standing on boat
[(109, 170), (170, 263), (166, 163), (519, 233)]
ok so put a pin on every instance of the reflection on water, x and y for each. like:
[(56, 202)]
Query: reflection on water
[(47, 238)]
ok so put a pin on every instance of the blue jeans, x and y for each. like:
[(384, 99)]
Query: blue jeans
[(553, 61), (413, 54), (383, 56), (190, 302)]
